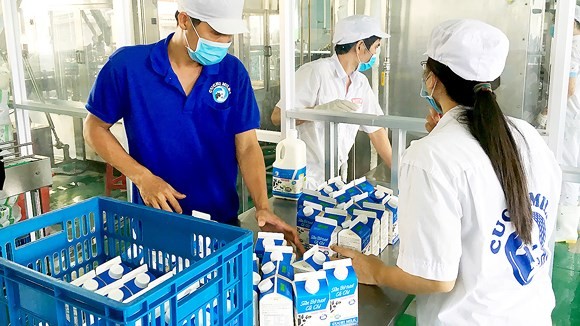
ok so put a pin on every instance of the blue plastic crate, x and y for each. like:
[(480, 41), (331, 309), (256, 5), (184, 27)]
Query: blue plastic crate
[(35, 274)]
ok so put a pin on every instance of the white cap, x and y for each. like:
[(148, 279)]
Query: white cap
[(379, 194), (116, 294), (312, 285), (268, 268), (91, 285), (472, 49), (319, 257), (256, 278), (341, 272), (142, 280), (393, 202), (225, 16), (358, 27), (307, 210), (116, 272), (265, 285), (328, 189), (577, 14), (339, 184)]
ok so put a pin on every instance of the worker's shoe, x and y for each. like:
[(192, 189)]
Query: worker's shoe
[(567, 224)]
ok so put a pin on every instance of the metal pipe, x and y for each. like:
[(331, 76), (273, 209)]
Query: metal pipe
[(287, 63), (309, 30)]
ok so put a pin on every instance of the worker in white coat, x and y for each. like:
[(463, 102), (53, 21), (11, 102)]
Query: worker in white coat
[(478, 196), (337, 84), (569, 213)]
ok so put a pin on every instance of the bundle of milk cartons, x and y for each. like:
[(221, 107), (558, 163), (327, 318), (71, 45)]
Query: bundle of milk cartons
[(356, 215), (311, 291)]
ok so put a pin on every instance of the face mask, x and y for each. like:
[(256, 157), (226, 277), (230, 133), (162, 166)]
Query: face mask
[(364, 66), (429, 97), (207, 52)]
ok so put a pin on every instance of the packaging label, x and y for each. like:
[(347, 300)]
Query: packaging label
[(312, 309), (276, 305), (288, 183), (324, 235), (343, 306)]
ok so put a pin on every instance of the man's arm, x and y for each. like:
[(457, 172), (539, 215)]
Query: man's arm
[(276, 117), (380, 140), (251, 162), (154, 191)]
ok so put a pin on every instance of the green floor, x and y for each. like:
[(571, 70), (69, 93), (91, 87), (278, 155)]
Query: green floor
[(566, 276)]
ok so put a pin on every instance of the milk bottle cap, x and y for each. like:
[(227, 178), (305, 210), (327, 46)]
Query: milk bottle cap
[(379, 194), (256, 278), (393, 202), (341, 272), (307, 210), (268, 267), (116, 294), (346, 224), (116, 272), (312, 285), (142, 280), (91, 285), (319, 258), (265, 285), (328, 189)]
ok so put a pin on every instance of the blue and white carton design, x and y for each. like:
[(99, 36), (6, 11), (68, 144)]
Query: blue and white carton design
[(364, 185), (341, 197), (276, 302), (256, 279), (340, 215), (392, 207), (312, 261), (278, 268), (312, 297), (324, 233), (316, 198), (105, 274), (343, 285), (255, 264), (356, 235), (381, 195), (279, 253), (384, 218), (332, 185), (304, 220), (130, 285), (373, 223), (268, 239)]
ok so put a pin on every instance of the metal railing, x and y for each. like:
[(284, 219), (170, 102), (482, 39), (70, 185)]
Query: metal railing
[(399, 126)]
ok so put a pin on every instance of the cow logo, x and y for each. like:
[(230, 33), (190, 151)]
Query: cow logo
[(220, 92)]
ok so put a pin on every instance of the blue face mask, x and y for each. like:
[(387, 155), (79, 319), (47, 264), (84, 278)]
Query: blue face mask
[(429, 97), (207, 52), (364, 66)]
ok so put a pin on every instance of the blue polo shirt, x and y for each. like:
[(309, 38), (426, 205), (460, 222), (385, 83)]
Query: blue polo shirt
[(189, 141)]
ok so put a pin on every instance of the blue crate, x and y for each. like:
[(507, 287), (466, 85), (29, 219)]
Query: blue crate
[(35, 273)]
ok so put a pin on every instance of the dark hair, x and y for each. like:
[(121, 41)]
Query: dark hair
[(491, 129), (194, 20), (345, 48)]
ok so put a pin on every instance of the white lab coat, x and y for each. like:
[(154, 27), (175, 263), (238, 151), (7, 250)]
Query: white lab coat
[(452, 227), (320, 82), (571, 144)]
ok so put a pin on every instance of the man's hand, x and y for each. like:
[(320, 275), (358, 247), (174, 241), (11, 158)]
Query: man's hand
[(367, 268), (432, 120), (269, 222), (338, 106), (159, 194)]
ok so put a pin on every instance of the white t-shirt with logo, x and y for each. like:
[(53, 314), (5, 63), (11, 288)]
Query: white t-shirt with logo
[(453, 226), (323, 81)]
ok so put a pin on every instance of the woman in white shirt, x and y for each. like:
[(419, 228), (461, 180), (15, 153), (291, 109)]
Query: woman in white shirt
[(478, 196)]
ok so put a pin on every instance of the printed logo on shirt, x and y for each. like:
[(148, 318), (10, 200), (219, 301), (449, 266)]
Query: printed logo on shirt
[(526, 260), (220, 92)]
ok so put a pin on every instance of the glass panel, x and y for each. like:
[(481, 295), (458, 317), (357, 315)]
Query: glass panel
[(167, 22)]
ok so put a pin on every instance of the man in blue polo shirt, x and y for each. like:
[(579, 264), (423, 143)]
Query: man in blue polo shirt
[(190, 116)]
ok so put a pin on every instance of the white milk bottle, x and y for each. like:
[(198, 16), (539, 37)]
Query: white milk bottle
[(289, 169)]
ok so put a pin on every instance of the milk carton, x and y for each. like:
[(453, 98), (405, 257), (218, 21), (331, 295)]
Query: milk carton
[(392, 207), (312, 261), (324, 233), (343, 285), (279, 253), (373, 223), (351, 190), (381, 195), (278, 268), (383, 217), (256, 279), (276, 304), (340, 215), (103, 275), (311, 299), (357, 236), (304, 220), (131, 284), (364, 185), (332, 185), (268, 239), (316, 198), (341, 197)]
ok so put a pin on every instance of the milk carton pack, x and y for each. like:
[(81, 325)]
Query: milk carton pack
[(312, 261), (384, 218), (373, 223), (279, 253), (316, 198), (364, 185), (268, 239), (357, 236), (278, 268), (340, 215), (103, 275), (351, 190), (324, 233), (357, 202), (312, 295), (276, 304), (332, 185), (381, 195), (304, 220), (341, 196), (392, 207), (131, 284), (343, 286)]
